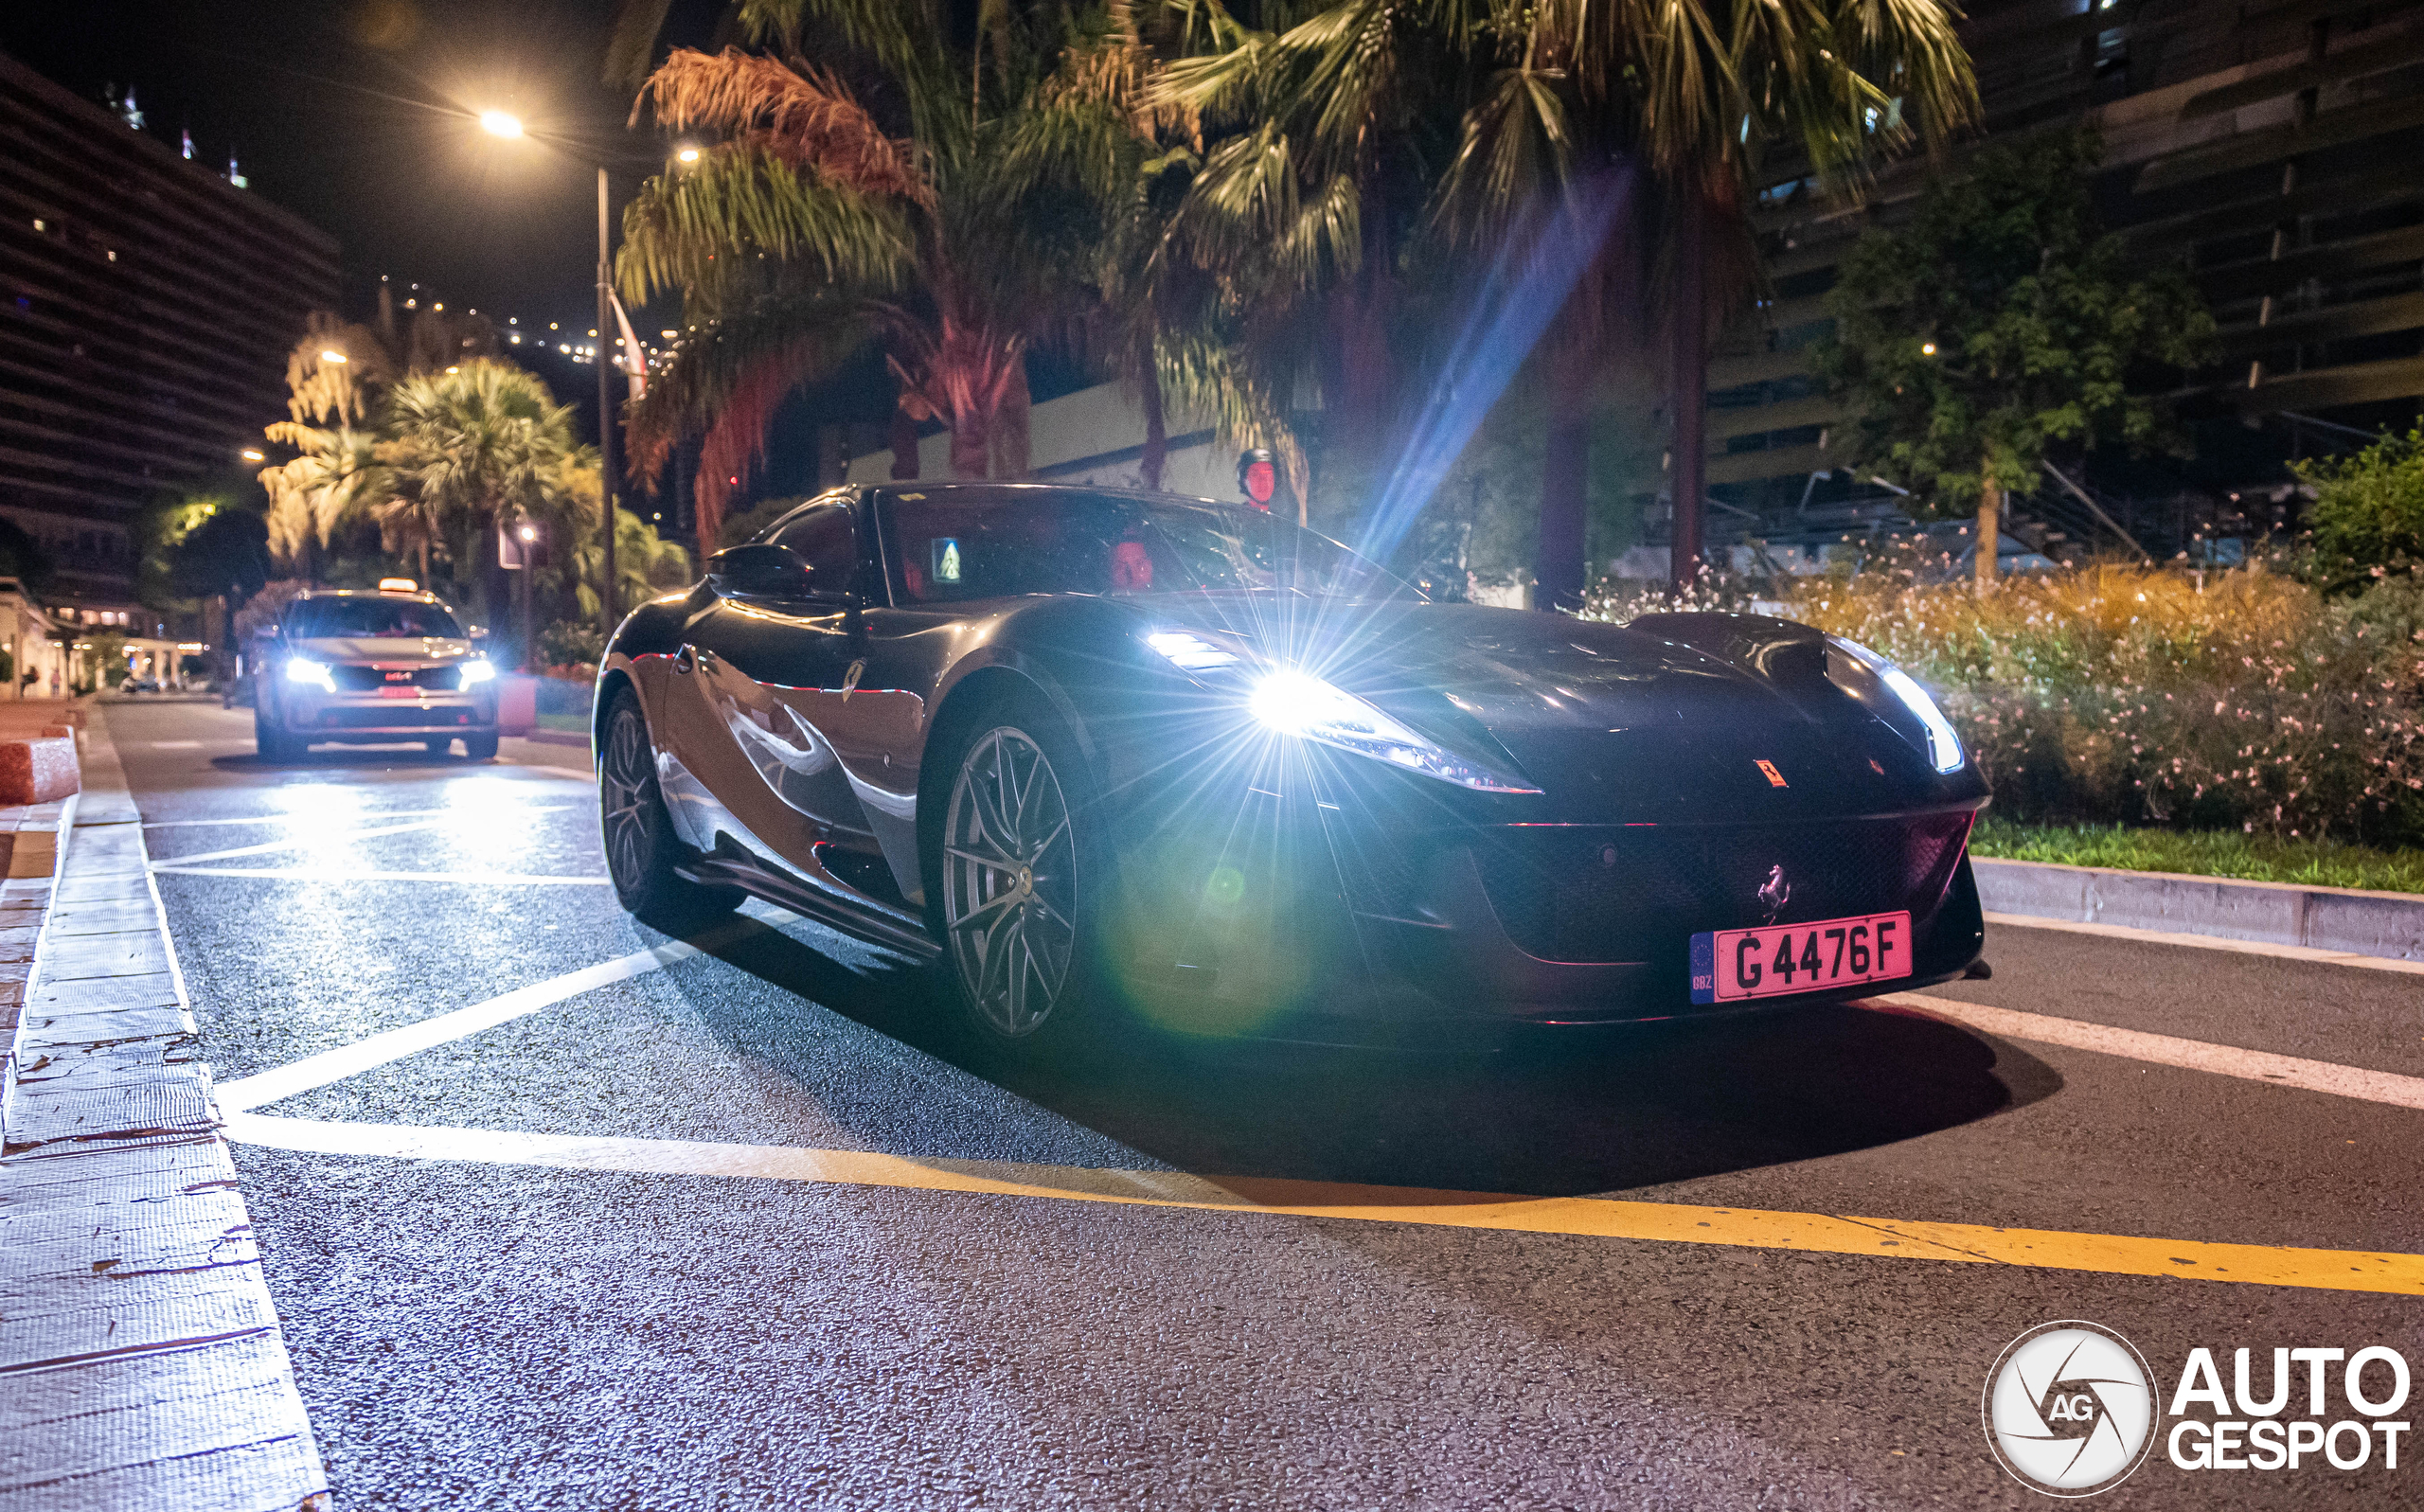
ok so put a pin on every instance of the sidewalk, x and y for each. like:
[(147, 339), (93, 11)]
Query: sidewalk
[(143, 1364)]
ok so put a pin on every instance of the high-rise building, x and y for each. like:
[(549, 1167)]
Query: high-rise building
[(147, 305), (2269, 148)]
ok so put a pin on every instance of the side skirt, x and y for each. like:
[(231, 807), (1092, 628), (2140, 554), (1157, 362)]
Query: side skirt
[(867, 920)]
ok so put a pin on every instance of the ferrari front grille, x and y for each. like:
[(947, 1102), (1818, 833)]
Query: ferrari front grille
[(1638, 894)]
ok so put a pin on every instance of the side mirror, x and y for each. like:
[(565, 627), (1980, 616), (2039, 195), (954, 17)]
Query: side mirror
[(761, 570)]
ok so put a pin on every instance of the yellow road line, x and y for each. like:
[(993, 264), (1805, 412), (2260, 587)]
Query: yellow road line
[(1588, 1216)]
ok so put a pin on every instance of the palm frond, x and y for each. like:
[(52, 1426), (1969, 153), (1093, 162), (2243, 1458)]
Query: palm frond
[(806, 120), (632, 41), (704, 229)]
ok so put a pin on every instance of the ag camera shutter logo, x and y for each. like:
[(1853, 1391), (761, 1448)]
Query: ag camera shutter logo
[(2070, 1409)]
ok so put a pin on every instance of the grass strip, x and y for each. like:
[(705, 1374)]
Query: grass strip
[(2204, 853)]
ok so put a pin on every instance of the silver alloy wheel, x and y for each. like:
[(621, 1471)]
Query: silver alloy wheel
[(623, 791), (1009, 882)]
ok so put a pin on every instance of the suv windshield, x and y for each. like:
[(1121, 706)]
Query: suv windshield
[(990, 542), (369, 619)]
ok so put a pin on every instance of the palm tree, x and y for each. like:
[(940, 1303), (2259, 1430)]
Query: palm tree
[(955, 232), (337, 376), (644, 563), (1360, 145), (467, 448), (335, 471)]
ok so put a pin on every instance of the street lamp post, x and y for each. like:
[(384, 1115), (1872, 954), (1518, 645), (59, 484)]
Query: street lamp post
[(500, 123), (609, 474)]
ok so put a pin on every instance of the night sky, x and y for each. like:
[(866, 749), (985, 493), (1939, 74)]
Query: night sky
[(353, 115)]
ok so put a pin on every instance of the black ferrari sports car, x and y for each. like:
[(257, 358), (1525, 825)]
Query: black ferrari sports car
[(1110, 752)]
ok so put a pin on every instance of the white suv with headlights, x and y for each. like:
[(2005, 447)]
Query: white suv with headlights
[(372, 668)]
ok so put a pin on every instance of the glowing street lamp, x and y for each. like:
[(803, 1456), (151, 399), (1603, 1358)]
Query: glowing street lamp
[(687, 153), (500, 123), (330, 354)]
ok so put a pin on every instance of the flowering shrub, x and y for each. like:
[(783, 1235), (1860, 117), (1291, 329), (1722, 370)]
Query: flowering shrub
[(2241, 698)]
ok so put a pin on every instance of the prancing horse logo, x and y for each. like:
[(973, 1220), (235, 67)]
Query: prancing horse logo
[(1773, 894)]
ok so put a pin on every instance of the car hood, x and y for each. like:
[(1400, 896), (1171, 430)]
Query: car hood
[(1613, 724), (366, 648)]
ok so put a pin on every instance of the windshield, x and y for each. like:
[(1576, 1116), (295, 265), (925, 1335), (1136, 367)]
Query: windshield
[(988, 542), (369, 619)]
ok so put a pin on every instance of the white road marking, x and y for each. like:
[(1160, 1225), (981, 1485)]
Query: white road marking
[(261, 1090), (309, 873), (2209, 942), (291, 842), (179, 745), (258, 1091), (2168, 1050), (290, 818)]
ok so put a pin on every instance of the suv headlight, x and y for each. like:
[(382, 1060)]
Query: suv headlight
[(475, 670), (1944, 746), (316, 674)]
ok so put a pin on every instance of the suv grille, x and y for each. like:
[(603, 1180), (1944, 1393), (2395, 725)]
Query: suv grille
[(353, 677), (1640, 893)]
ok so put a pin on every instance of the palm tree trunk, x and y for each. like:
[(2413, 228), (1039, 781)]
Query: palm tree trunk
[(1689, 369), (1990, 524), (904, 445), (1007, 431), (1566, 468), (1157, 439)]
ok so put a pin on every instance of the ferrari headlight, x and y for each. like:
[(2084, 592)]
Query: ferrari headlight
[(1944, 746), (1300, 705), (1191, 654), (301, 669), (475, 670)]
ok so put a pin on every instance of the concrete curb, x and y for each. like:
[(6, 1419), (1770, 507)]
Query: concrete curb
[(144, 1363), (2326, 918)]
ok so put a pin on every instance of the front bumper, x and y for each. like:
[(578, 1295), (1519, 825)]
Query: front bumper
[(372, 717), (1320, 898)]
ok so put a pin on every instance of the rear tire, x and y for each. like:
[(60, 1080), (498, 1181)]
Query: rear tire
[(1015, 864), (641, 847), (480, 747)]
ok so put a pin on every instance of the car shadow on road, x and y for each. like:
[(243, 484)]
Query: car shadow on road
[(1555, 1113)]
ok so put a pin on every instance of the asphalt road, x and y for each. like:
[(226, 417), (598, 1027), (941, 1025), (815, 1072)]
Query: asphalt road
[(477, 1333)]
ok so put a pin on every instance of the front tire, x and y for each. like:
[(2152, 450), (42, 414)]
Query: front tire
[(438, 748), (1016, 866), (641, 847), (271, 743), (480, 747)]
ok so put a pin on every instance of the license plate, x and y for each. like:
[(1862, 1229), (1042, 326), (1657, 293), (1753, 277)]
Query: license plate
[(400, 692), (1730, 966)]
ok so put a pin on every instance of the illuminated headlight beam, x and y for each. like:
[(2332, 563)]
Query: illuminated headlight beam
[(314, 674), (1944, 745), (1299, 705)]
